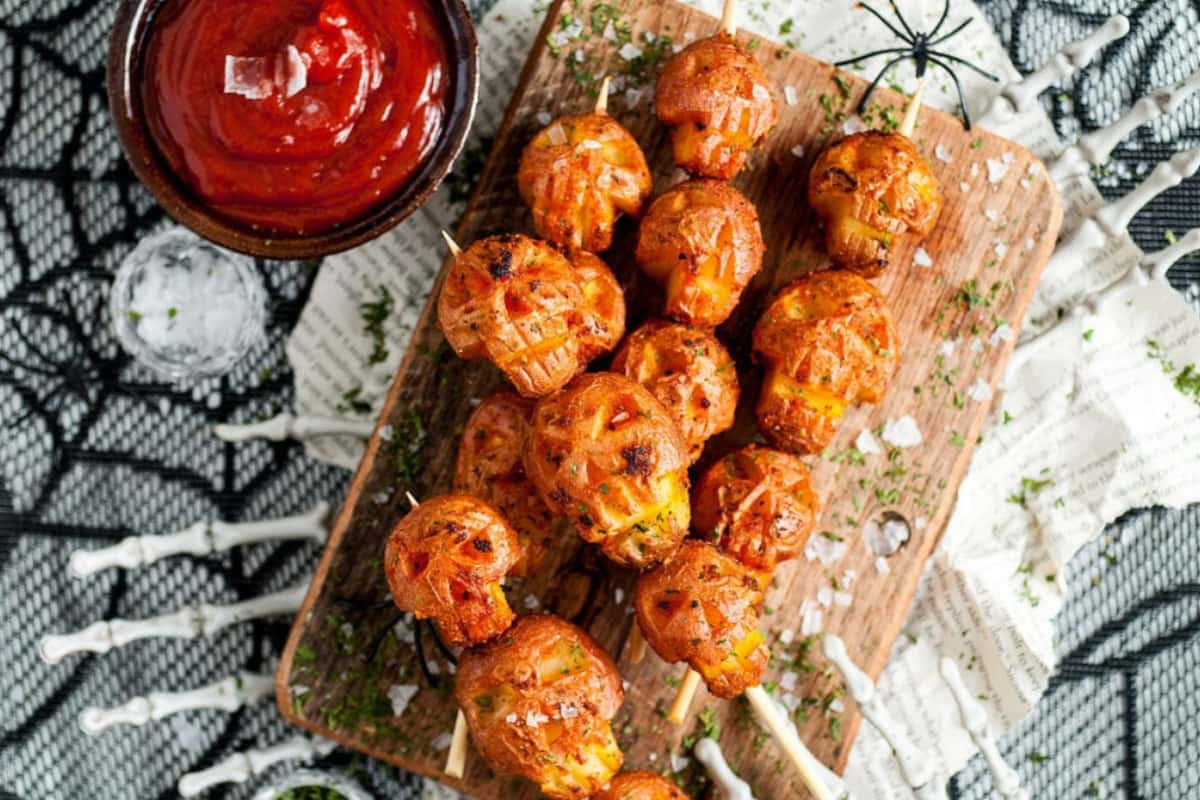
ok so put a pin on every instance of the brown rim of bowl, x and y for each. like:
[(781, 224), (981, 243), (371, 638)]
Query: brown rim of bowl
[(133, 23)]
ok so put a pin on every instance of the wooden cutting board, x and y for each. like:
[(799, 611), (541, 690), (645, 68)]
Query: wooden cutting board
[(998, 228)]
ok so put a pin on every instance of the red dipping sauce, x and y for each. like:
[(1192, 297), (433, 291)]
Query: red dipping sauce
[(295, 116)]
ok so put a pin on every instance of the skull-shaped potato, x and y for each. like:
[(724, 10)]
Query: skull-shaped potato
[(689, 371), (539, 701), (870, 188), (578, 175), (606, 454), (444, 562), (701, 241), (827, 341), (757, 505), (717, 102)]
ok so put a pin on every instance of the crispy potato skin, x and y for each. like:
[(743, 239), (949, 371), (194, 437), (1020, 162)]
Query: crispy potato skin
[(870, 188), (520, 304), (444, 561), (490, 467), (546, 671), (641, 786), (603, 322), (689, 371), (578, 175), (702, 241), (702, 607), (757, 505), (827, 341), (718, 104), (606, 454)]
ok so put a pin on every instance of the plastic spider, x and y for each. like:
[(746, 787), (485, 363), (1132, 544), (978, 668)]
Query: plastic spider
[(919, 47)]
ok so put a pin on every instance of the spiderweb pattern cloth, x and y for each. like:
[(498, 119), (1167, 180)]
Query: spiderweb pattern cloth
[(96, 448)]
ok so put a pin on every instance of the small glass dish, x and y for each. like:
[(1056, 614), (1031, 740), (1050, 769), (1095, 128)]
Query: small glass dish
[(297, 782), (186, 308)]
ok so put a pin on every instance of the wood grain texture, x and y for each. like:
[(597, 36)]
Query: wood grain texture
[(971, 288)]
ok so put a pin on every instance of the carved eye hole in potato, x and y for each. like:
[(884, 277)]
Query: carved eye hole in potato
[(417, 564)]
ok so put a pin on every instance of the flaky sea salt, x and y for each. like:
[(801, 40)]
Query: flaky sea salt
[(921, 258), (442, 741), (531, 602), (1000, 248), (942, 154), (678, 763), (902, 432), (881, 566), (866, 444), (1003, 333), (534, 719), (789, 94), (825, 596), (248, 77), (823, 549), (853, 124), (798, 150), (842, 598), (998, 168), (787, 681), (787, 636), (630, 51), (544, 118), (403, 630), (946, 348), (811, 619), (885, 539), (511, 718), (979, 391), (964, 187), (400, 695)]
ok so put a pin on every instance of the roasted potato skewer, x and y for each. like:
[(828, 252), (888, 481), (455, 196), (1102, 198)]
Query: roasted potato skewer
[(606, 454), (579, 174), (717, 102), (490, 466), (827, 341), (520, 304), (701, 240), (641, 786), (539, 701), (689, 371), (869, 189)]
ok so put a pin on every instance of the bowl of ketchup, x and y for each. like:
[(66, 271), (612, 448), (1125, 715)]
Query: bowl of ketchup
[(291, 128)]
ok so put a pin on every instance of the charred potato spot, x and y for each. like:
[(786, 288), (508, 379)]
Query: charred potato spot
[(757, 505), (868, 189), (828, 341), (641, 786), (718, 105), (702, 607), (520, 304), (606, 454), (578, 175), (490, 467), (689, 371), (539, 701), (702, 241), (444, 562)]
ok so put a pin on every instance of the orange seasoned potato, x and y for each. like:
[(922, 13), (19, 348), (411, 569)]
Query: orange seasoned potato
[(689, 371), (827, 340), (538, 701), (701, 240), (757, 505), (604, 306), (490, 467), (641, 786), (578, 175), (702, 607), (606, 454), (444, 562), (718, 105), (518, 303), (868, 189)]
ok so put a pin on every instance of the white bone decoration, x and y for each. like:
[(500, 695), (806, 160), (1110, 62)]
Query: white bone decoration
[(288, 426), (731, 787), (186, 623), (228, 695), (974, 719), (240, 767), (201, 539)]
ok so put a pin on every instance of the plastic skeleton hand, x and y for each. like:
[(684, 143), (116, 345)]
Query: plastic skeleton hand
[(229, 694)]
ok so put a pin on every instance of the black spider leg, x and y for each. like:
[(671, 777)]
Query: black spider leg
[(962, 101), (862, 104), (849, 61), (902, 37), (907, 29), (355, 604), (965, 63), (447, 653), (419, 646), (958, 29), (377, 641), (942, 21)]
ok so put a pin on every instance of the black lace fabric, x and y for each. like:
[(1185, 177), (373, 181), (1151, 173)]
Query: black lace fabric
[(94, 448)]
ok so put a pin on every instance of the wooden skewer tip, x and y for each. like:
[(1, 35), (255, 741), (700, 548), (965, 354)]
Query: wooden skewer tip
[(914, 108), (411, 499), (453, 245), (456, 761), (787, 738), (637, 645), (729, 18), (683, 698), (602, 97)]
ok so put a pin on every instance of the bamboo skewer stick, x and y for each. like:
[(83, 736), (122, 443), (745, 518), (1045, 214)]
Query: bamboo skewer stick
[(455, 251), (683, 697), (637, 644), (914, 108), (729, 18), (602, 97), (786, 736)]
